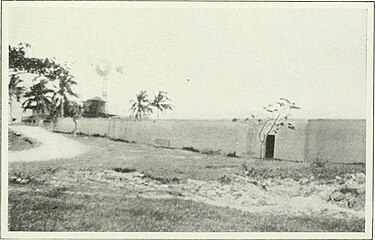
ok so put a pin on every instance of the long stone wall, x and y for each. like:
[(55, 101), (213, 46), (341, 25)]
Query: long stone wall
[(342, 141), (225, 136)]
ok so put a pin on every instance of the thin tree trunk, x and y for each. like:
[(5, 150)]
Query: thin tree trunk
[(75, 126), (158, 113), (261, 152), (62, 107)]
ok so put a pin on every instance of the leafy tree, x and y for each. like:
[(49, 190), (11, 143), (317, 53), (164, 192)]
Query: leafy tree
[(63, 90), (277, 117), (159, 102), (38, 99), (46, 69), (141, 106)]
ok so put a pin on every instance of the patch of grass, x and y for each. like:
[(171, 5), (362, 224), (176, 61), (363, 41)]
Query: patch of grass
[(117, 213), (163, 180), (298, 171), (17, 142)]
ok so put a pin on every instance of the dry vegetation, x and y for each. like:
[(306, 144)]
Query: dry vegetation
[(119, 186)]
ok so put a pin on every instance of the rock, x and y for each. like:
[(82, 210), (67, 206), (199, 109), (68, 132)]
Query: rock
[(360, 178), (325, 195), (337, 196), (351, 186), (303, 181)]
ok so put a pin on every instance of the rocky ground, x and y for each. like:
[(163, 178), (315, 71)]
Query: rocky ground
[(343, 197)]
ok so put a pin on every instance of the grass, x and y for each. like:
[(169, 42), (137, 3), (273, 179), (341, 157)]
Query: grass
[(57, 210), (87, 206), (17, 142)]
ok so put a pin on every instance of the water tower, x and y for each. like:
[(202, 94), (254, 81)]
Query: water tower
[(102, 68)]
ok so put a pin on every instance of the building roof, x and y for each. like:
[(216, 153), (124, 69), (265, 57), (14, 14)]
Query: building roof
[(96, 99)]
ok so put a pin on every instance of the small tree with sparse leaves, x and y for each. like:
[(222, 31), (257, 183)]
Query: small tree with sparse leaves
[(276, 117)]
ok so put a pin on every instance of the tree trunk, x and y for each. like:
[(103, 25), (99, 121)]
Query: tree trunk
[(75, 127), (62, 107), (261, 151), (158, 113)]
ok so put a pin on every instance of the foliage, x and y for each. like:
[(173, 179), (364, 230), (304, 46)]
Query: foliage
[(38, 99), (141, 106), (191, 149), (61, 95), (15, 89), (277, 117), (45, 69), (159, 102), (19, 63)]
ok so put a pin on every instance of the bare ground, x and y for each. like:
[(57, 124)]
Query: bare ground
[(149, 189)]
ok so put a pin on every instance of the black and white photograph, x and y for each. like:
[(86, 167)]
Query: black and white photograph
[(238, 119)]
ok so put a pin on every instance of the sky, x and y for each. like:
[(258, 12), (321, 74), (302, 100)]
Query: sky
[(215, 63)]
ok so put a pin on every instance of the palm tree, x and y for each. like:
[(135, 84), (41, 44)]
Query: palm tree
[(15, 91), (38, 99), (159, 102), (60, 97), (141, 105)]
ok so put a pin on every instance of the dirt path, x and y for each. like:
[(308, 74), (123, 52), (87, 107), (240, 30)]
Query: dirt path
[(53, 146)]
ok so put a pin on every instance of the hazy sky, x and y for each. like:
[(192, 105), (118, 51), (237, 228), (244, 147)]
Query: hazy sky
[(237, 60)]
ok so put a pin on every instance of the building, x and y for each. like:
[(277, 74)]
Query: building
[(95, 107)]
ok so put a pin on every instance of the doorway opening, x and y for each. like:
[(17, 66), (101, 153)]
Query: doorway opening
[(270, 146)]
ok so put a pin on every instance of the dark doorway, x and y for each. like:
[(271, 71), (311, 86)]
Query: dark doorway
[(270, 146)]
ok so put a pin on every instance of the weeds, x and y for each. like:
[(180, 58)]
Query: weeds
[(124, 170), (225, 179), (211, 152), (191, 149), (163, 180)]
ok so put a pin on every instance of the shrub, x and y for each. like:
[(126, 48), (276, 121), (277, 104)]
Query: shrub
[(225, 179), (124, 170), (191, 149), (211, 152)]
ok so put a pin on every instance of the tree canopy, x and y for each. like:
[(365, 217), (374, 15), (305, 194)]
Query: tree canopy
[(45, 70)]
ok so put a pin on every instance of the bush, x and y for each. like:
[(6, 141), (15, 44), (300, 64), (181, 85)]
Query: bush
[(211, 152), (191, 149)]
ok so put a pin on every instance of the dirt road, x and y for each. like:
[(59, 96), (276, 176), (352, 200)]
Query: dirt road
[(53, 146)]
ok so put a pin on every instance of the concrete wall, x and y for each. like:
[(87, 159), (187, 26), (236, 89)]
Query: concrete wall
[(289, 144), (214, 135), (335, 140)]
